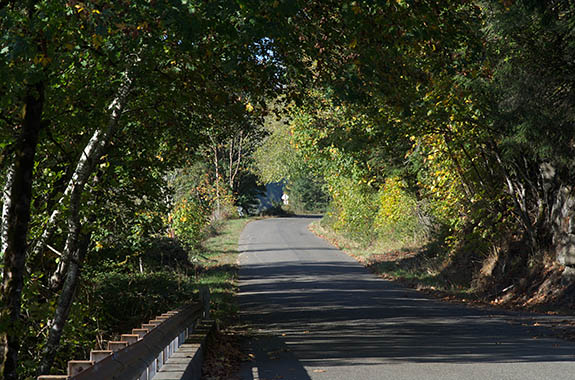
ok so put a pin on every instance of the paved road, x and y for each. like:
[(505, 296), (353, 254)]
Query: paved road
[(317, 314)]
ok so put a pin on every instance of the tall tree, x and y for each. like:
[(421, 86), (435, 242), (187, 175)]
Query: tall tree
[(18, 195)]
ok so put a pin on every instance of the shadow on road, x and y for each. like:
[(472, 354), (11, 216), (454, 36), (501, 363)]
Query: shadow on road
[(271, 359), (308, 216), (335, 313)]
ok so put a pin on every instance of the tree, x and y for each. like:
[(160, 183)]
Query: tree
[(531, 113)]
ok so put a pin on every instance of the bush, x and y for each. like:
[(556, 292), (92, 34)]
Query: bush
[(121, 301), (397, 218), (353, 210), (166, 253), (189, 220), (307, 194)]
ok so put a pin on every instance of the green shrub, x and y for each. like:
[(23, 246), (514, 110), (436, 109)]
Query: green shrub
[(307, 194), (190, 218), (166, 253), (353, 210), (121, 301), (397, 217)]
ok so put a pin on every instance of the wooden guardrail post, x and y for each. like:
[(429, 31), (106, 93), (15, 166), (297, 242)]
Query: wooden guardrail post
[(130, 338), (205, 300), (77, 366), (140, 332), (115, 346), (97, 355)]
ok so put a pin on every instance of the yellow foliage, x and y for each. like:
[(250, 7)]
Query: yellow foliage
[(397, 217)]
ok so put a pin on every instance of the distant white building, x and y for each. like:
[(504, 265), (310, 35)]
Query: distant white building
[(271, 197)]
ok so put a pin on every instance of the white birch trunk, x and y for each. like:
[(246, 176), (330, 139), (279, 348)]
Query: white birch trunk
[(85, 166), (231, 163), (6, 200), (563, 222), (239, 161)]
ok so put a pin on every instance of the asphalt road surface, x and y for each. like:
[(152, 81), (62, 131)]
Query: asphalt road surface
[(315, 313)]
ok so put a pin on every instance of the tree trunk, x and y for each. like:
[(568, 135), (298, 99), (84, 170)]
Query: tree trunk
[(217, 169), (231, 164), (90, 154), (16, 220), (76, 253), (5, 207), (563, 224), (89, 157), (238, 163), (515, 191), (85, 167)]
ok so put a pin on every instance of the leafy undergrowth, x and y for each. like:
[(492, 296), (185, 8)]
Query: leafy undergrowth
[(219, 270), (223, 356), (540, 288)]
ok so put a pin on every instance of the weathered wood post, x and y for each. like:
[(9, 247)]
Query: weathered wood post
[(205, 300)]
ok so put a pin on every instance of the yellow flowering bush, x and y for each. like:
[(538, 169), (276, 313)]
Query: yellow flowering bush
[(189, 219), (397, 218)]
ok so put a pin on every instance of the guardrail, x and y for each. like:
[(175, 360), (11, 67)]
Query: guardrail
[(141, 354)]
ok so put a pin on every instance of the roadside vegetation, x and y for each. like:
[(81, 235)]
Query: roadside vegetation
[(221, 265), (120, 287), (220, 269)]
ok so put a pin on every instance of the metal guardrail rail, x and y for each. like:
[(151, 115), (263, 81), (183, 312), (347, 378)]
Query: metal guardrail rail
[(141, 354)]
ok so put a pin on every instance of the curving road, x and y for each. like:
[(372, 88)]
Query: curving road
[(315, 313)]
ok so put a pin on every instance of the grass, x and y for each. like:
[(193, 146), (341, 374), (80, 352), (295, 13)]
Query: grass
[(219, 271), (218, 268)]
